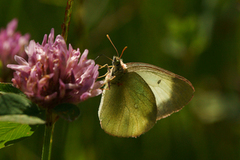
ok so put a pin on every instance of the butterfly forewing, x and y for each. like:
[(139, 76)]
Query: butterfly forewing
[(172, 92)]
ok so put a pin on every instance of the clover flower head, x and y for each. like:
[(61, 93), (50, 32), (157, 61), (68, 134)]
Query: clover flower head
[(12, 43), (54, 74)]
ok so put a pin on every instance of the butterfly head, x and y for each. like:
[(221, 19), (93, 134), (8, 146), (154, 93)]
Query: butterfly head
[(116, 62), (118, 68)]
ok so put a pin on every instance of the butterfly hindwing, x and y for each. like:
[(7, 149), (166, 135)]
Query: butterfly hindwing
[(128, 107)]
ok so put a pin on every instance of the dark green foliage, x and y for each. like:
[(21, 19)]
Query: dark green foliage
[(67, 111), (16, 115)]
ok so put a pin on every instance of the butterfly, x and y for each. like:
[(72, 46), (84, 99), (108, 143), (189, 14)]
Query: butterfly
[(136, 95)]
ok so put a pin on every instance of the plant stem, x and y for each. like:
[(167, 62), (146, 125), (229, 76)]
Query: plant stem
[(48, 134), (66, 23)]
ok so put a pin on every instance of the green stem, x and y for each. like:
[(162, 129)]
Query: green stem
[(48, 134), (66, 23)]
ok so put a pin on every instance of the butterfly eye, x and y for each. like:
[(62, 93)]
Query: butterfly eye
[(116, 61)]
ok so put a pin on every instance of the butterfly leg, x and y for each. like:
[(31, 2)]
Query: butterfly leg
[(105, 65), (100, 67)]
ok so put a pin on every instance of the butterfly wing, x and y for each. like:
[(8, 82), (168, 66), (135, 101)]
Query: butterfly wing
[(172, 92), (127, 108)]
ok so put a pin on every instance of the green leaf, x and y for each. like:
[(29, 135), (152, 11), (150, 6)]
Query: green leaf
[(11, 133), (11, 103), (22, 118), (67, 111), (8, 87), (18, 109)]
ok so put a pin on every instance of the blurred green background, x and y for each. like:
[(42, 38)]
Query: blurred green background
[(198, 39)]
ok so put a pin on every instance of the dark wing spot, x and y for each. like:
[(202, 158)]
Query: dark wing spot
[(159, 81)]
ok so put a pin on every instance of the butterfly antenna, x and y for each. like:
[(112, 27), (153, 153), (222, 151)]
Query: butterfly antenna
[(102, 55), (123, 51), (112, 44)]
